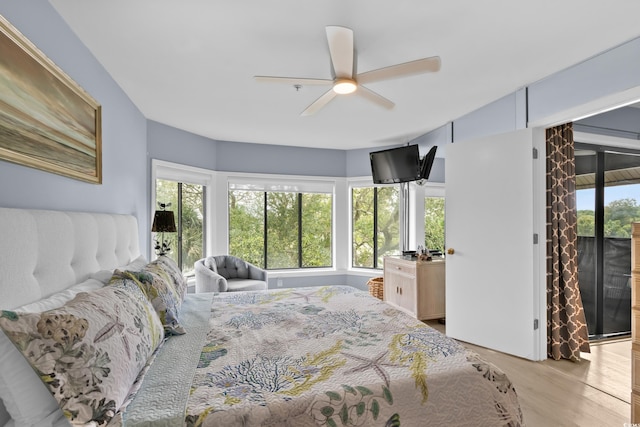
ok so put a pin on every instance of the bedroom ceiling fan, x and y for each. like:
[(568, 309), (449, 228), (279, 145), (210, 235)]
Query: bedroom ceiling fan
[(346, 80)]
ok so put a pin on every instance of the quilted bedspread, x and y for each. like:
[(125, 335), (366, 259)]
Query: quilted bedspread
[(335, 356)]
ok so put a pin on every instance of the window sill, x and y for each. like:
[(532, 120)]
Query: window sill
[(364, 272)]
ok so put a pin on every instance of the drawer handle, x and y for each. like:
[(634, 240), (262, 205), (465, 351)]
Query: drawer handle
[(400, 291)]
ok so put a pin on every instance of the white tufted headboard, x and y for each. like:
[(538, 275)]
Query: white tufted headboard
[(43, 252)]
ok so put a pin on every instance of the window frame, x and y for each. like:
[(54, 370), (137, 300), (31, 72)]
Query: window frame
[(367, 183), (288, 183), (178, 211), (216, 183), (299, 202), (417, 195), (189, 175)]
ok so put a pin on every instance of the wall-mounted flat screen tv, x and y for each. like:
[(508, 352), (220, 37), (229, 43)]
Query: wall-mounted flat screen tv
[(395, 165), (427, 163)]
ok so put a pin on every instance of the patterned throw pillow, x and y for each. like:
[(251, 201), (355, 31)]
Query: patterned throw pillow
[(162, 288), (168, 267), (88, 352)]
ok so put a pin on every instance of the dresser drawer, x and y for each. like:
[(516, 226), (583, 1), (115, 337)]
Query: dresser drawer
[(397, 266)]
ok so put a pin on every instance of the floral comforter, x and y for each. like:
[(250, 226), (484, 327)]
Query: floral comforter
[(335, 356)]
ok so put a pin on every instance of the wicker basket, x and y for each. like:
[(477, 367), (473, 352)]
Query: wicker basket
[(376, 287)]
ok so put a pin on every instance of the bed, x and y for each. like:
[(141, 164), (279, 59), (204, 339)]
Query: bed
[(313, 356)]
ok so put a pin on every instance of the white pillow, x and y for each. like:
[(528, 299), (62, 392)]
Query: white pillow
[(25, 396), (105, 275), (102, 276), (137, 264), (61, 298)]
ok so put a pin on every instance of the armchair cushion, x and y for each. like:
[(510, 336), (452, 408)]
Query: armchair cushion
[(224, 273), (231, 267)]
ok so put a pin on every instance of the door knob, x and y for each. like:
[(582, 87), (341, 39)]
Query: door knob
[(450, 251)]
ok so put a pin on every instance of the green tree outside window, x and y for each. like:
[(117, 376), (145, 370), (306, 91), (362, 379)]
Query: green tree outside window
[(434, 223), (294, 230), (375, 218)]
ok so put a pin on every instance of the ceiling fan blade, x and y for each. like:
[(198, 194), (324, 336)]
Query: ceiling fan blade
[(340, 41), (374, 97), (292, 80), (319, 103), (419, 66)]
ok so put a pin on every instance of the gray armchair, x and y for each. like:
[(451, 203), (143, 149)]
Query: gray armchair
[(226, 273)]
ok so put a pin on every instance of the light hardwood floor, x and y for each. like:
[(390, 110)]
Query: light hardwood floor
[(594, 392)]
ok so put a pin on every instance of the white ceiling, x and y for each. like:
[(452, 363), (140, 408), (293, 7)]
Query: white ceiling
[(190, 63)]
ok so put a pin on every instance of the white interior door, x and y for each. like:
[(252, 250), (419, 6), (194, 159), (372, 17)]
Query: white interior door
[(492, 278)]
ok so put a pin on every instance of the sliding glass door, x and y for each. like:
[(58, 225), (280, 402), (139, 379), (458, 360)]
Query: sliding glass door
[(607, 195)]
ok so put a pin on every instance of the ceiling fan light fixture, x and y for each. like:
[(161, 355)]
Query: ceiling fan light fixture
[(345, 80), (344, 86)]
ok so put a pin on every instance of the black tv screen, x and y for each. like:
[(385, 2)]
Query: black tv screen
[(400, 164)]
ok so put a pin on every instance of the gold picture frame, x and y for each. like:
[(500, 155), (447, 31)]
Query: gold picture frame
[(47, 121)]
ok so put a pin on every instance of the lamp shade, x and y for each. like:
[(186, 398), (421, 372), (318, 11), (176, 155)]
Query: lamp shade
[(164, 222)]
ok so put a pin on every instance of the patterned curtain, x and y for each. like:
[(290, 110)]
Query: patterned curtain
[(567, 333)]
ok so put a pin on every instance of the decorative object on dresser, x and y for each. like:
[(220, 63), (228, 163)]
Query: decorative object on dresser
[(635, 323), (416, 287), (47, 121), (163, 222)]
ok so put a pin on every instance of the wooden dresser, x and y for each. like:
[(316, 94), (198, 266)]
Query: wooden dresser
[(635, 323), (416, 287)]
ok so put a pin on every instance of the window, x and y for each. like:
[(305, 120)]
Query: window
[(280, 229), (375, 225), (434, 223), (188, 204)]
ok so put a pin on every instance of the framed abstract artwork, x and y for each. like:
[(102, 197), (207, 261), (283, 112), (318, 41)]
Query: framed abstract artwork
[(47, 121)]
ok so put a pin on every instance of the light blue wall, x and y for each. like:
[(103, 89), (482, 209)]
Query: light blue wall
[(613, 72), (500, 116), (358, 163), (175, 145), (178, 146), (280, 159), (125, 174)]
